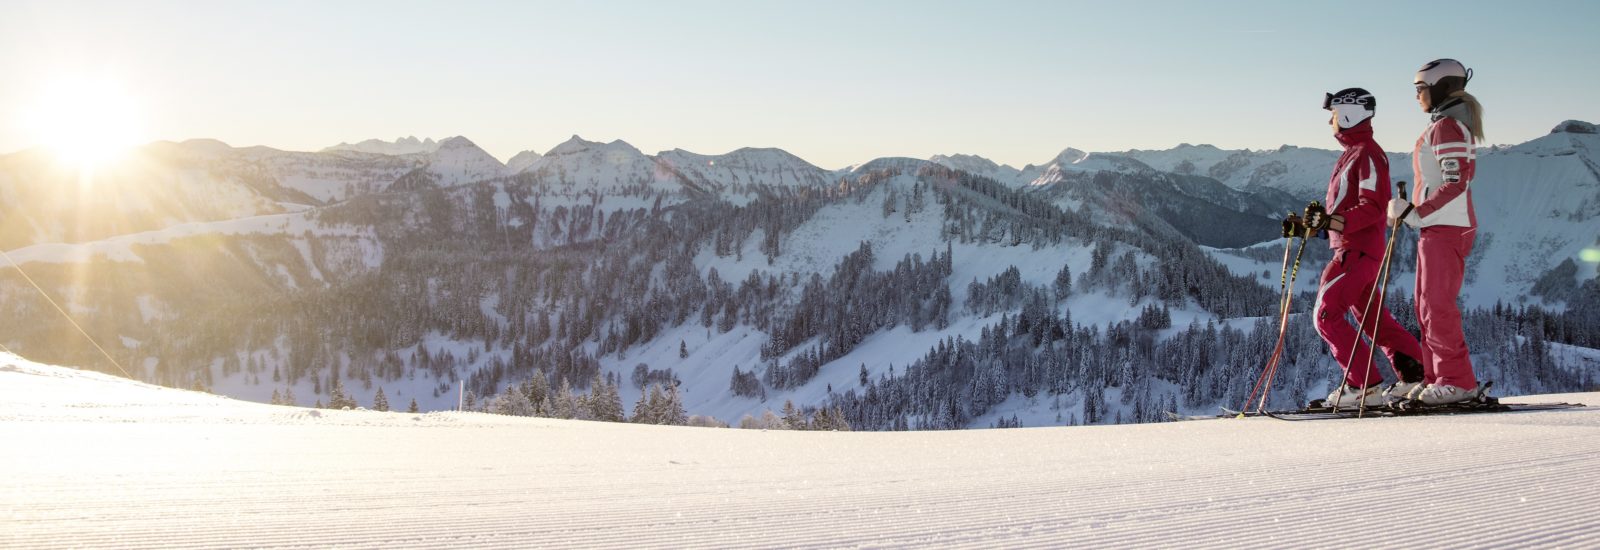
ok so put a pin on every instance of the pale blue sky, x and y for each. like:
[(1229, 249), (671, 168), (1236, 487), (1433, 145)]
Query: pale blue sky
[(835, 82)]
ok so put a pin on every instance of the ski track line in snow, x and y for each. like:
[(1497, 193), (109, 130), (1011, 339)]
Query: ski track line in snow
[(169, 469)]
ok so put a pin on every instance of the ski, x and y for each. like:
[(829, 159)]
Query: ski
[(1317, 409), (1414, 409)]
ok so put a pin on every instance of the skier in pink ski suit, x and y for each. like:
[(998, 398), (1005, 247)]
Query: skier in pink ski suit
[(1358, 192), (1441, 207)]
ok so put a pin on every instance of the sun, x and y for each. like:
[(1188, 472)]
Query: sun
[(86, 121)]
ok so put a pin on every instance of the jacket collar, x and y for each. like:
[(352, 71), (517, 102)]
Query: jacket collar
[(1354, 135), (1455, 108)]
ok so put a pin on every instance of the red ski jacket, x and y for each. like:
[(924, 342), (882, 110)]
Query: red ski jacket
[(1359, 192)]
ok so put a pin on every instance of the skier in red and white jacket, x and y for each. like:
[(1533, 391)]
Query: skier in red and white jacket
[(1441, 208), (1358, 192)]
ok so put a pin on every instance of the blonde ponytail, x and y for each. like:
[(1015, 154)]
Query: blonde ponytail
[(1477, 113)]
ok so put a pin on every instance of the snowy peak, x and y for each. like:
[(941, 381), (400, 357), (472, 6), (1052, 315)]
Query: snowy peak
[(1070, 156), (193, 150), (522, 160), (969, 163), (211, 146), (1100, 162), (579, 165), (1074, 161), (577, 145), (906, 165), (409, 145), (456, 143), (1571, 137), (1574, 127), (573, 145), (457, 161), (980, 166), (743, 170)]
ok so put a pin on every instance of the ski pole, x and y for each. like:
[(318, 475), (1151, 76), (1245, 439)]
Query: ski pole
[(1290, 225), (1383, 275), (1383, 278), (1313, 210)]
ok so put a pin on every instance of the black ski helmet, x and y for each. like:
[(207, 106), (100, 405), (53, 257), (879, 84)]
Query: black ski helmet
[(1350, 106), (1442, 77)]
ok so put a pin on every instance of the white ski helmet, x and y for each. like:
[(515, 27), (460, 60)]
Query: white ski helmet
[(1350, 106), (1442, 77)]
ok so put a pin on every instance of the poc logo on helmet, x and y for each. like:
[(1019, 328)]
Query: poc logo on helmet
[(1349, 96)]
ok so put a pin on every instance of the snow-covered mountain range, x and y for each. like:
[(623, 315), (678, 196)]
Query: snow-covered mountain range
[(744, 277)]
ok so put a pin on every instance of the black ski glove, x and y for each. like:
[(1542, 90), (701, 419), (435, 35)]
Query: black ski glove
[(1293, 226), (1317, 219)]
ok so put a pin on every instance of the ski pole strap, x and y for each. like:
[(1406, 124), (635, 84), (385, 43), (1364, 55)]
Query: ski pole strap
[(1400, 186)]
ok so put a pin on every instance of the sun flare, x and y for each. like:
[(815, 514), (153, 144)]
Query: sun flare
[(87, 122)]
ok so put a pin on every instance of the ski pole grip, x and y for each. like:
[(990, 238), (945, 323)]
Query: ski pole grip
[(1400, 186)]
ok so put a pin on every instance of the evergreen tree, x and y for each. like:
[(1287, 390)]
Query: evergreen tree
[(537, 388), (338, 398), (683, 350), (413, 407), (644, 411), (1063, 282), (512, 402), (380, 402), (793, 418), (672, 412), (566, 404), (605, 402)]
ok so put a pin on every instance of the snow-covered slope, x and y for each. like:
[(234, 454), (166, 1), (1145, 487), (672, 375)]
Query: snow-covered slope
[(96, 461), (126, 248), (409, 145), (815, 248), (325, 177), (1539, 204), (155, 187)]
